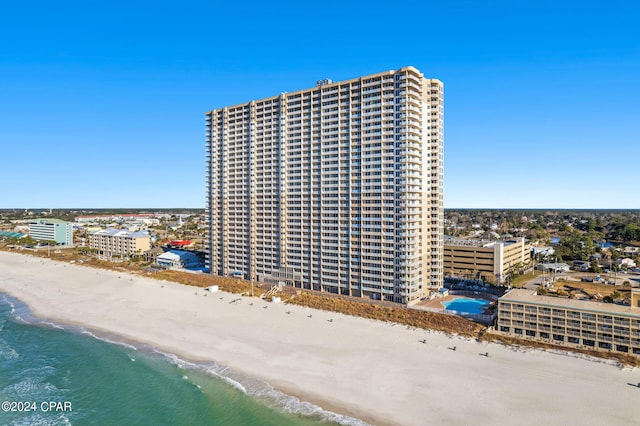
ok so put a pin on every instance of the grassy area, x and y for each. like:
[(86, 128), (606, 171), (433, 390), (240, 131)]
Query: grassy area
[(400, 315), (520, 280), (590, 289), (231, 285)]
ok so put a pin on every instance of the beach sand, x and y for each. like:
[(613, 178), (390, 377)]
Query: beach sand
[(378, 372)]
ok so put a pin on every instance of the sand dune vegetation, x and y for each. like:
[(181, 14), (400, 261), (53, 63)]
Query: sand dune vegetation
[(449, 324), (399, 315)]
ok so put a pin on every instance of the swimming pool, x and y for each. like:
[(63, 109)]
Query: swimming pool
[(466, 305)]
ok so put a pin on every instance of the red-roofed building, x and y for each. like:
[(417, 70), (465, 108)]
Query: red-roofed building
[(180, 243)]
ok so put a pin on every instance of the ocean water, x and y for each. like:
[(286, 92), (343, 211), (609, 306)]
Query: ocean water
[(59, 375)]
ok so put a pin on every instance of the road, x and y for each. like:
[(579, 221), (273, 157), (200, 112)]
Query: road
[(619, 278)]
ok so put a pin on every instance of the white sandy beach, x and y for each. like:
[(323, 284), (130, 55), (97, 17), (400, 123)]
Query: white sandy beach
[(374, 371)]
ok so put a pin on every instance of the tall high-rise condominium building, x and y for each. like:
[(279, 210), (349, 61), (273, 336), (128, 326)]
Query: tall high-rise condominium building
[(337, 188)]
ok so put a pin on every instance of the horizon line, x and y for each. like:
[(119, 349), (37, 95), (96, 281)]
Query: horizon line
[(203, 208)]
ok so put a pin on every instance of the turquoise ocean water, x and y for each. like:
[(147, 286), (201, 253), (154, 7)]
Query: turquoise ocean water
[(110, 383)]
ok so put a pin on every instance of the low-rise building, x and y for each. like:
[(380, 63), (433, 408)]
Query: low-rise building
[(148, 218), (482, 257), (626, 263), (180, 243), (52, 230), (178, 259), (557, 267), (152, 254), (112, 242), (11, 234), (542, 251), (581, 265), (569, 322)]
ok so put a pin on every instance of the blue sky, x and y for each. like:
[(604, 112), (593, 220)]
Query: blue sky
[(102, 103)]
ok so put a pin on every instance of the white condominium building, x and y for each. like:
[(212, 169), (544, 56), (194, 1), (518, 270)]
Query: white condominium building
[(337, 188)]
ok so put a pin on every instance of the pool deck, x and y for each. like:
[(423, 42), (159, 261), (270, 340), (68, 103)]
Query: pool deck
[(437, 302)]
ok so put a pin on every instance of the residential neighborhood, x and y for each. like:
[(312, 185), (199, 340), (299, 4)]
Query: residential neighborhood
[(164, 240), (495, 246)]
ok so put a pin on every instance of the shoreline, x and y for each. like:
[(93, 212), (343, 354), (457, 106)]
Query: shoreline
[(378, 372), (276, 399), (284, 387)]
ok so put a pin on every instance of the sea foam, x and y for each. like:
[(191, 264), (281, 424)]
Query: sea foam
[(259, 390), (263, 392)]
